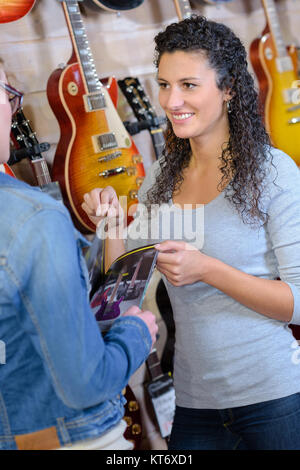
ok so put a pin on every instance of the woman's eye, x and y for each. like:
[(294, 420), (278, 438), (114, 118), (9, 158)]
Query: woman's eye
[(162, 85), (188, 85)]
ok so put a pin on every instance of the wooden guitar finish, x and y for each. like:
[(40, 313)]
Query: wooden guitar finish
[(94, 149), (12, 10), (276, 69)]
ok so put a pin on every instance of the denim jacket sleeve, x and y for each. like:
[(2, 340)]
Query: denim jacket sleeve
[(53, 307)]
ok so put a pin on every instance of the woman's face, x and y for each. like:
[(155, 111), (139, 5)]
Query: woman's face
[(190, 97), (5, 121)]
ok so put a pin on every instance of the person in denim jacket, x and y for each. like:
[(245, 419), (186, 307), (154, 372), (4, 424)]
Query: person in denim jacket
[(61, 382)]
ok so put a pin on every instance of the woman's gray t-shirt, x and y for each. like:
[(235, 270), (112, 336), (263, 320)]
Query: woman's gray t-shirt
[(227, 355)]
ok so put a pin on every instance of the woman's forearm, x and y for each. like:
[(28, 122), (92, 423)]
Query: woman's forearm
[(272, 298)]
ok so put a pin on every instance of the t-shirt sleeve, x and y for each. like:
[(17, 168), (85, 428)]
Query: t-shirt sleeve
[(284, 224)]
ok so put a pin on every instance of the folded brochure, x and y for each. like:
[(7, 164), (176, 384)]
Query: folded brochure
[(123, 285)]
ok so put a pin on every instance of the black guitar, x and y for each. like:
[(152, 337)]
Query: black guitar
[(114, 5), (27, 145), (143, 111)]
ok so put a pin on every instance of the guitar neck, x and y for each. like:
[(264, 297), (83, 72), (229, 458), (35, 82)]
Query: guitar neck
[(158, 140), (273, 21), (41, 171), (153, 365), (81, 46), (183, 9)]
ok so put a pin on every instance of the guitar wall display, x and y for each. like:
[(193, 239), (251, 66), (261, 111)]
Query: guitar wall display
[(12, 10), (95, 149), (275, 66)]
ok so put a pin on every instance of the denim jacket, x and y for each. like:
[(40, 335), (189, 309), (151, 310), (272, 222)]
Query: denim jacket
[(56, 370)]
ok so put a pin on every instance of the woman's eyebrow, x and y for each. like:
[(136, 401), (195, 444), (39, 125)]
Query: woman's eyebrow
[(185, 79)]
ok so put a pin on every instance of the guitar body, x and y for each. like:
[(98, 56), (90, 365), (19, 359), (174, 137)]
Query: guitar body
[(76, 164), (285, 136), (259, 70), (12, 10)]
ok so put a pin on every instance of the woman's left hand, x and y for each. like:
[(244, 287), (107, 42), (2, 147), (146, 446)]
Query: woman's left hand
[(181, 262)]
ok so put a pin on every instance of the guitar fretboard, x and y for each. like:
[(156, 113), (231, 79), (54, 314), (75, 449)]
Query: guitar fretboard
[(183, 9), (274, 24), (81, 46)]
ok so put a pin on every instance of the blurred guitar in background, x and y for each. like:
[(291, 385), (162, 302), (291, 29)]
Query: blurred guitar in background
[(276, 69)]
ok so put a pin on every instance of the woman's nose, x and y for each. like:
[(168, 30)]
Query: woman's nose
[(172, 98)]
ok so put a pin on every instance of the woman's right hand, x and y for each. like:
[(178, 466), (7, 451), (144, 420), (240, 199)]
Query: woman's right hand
[(101, 203)]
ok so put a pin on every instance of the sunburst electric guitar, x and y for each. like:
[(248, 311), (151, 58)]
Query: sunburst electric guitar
[(275, 66), (95, 149), (12, 10)]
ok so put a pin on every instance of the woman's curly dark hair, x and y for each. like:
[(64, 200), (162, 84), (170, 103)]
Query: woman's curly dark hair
[(242, 158)]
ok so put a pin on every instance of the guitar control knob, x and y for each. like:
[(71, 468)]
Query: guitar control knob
[(133, 194), (139, 180), (128, 420), (133, 405), (136, 429)]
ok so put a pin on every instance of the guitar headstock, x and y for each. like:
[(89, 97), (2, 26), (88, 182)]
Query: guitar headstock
[(22, 134), (138, 100)]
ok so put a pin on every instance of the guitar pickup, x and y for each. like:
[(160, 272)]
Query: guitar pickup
[(130, 170), (94, 101), (104, 142), (284, 64), (110, 156)]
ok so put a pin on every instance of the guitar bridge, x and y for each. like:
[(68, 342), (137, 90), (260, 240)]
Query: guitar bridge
[(295, 120), (110, 156), (130, 170)]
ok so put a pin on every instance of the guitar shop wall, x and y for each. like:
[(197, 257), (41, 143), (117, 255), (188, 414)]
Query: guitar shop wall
[(122, 45)]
